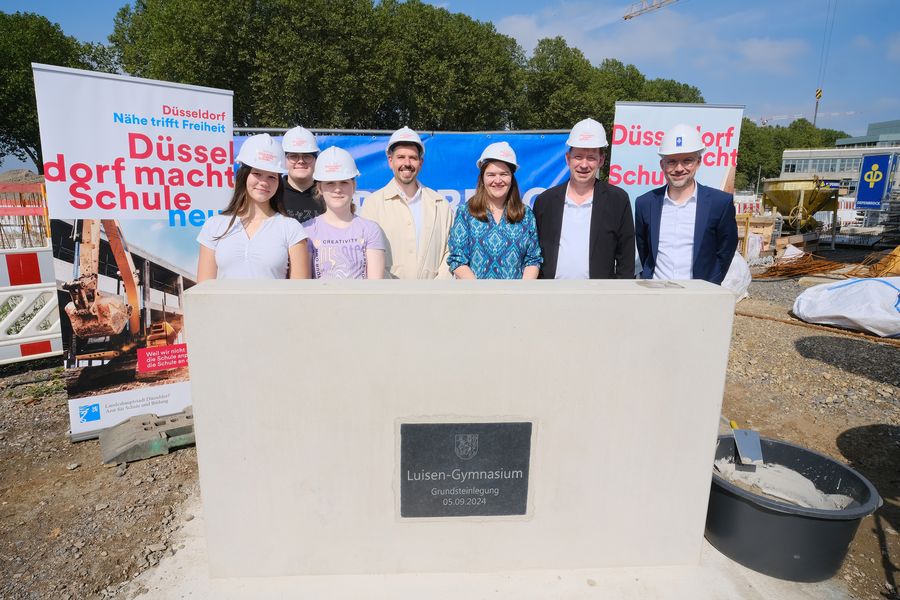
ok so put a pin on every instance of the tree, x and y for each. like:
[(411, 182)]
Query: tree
[(615, 81), (32, 38), (319, 65), (447, 71), (188, 42), (669, 90), (329, 64), (557, 87)]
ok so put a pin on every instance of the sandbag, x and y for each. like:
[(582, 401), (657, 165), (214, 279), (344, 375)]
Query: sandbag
[(871, 304), (737, 279), (754, 246)]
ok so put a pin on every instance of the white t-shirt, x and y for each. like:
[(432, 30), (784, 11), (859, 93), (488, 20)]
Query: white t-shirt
[(265, 256)]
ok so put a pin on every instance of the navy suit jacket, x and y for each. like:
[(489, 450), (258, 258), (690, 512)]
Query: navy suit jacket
[(715, 232)]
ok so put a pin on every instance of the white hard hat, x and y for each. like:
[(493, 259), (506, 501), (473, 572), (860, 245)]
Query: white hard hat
[(681, 139), (587, 134), (262, 152), (335, 164), (499, 151), (405, 134), (299, 140)]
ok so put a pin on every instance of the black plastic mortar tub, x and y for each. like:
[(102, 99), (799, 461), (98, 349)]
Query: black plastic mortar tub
[(779, 539)]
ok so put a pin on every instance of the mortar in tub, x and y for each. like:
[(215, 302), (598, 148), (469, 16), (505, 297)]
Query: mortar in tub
[(778, 538)]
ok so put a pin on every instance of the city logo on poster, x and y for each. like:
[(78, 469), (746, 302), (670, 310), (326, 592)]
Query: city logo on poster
[(88, 413), (466, 445)]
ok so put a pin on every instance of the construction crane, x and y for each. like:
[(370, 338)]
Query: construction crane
[(639, 8)]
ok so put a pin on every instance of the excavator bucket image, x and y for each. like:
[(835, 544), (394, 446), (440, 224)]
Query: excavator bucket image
[(105, 316), (92, 313)]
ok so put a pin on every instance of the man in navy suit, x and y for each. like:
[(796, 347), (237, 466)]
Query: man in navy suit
[(684, 230)]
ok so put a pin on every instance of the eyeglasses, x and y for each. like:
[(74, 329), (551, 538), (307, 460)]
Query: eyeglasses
[(687, 163), (294, 157)]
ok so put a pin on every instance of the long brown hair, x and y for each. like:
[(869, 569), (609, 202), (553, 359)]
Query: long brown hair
[(478, 204), (239, 201)]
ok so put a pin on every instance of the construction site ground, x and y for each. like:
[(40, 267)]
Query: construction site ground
[(71, 527)]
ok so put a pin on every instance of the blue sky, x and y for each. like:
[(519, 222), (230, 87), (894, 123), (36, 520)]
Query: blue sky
[(764, 54)]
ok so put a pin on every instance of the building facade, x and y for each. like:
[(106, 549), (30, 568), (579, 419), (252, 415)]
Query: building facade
[(840, 166)]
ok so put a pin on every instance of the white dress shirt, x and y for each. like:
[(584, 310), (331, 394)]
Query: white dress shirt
[(415, 207), (575, 240), (675, 253)]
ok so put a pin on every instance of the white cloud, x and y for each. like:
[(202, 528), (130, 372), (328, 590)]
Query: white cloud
[(863, 42), (886, 102), (768, 55), (666, 40), (893, 47)]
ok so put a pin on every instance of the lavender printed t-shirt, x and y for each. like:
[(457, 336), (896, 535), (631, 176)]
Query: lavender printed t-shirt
[(340, 252)]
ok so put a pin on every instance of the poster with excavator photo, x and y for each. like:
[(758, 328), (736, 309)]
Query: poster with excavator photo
[(133, 168)]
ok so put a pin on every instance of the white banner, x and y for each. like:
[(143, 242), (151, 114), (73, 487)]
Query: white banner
[(119, 147), (638, 131), (133, 167)]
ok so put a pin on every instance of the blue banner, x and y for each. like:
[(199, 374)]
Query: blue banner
[(874, 177), (449, 161)]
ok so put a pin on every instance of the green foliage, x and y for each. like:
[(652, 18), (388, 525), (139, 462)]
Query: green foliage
[(193, 42), (557, 90), (446, 71), (329, 64), (362, 64), (29, 38), (562, 87), (761, 148)]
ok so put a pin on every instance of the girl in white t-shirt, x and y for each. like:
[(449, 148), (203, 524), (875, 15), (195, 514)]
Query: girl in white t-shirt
[(251, 238)]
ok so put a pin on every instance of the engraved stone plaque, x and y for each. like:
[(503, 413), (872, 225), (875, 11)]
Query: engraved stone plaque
[(464, 469)]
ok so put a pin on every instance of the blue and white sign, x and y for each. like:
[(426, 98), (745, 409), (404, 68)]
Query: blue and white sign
[(874, 178), (88, 413)]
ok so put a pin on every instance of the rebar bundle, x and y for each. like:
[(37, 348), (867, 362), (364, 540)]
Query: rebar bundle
[(877, 264)]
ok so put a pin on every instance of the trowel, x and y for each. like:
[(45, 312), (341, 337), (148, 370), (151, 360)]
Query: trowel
[(748, 445)]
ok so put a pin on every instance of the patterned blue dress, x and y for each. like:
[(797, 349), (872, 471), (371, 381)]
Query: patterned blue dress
[(494, 250)]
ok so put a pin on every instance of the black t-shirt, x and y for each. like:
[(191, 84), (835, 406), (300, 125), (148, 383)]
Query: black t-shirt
[(301, 205)]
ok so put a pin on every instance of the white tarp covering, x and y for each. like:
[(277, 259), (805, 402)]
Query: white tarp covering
[(864, 304)]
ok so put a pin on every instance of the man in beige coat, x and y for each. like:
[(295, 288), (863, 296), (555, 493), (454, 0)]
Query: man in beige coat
[(415, 219)]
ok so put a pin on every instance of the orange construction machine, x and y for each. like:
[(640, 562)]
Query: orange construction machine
[(105, 326)]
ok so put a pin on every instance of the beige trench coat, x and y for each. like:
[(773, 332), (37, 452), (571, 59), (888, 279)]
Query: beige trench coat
[(402, 259)]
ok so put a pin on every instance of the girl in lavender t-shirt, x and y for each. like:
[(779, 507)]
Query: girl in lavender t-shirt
[(342, 245)]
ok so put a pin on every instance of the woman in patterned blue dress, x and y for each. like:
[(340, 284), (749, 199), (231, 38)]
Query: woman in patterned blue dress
[(494, 235)]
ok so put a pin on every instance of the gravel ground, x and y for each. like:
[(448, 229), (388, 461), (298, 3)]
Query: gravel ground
[(831, 392), (73, 528)]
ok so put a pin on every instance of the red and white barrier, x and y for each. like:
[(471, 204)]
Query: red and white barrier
[(30, 327)]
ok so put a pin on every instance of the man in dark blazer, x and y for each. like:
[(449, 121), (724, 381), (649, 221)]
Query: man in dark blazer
[(684, 230), (585, 227)]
